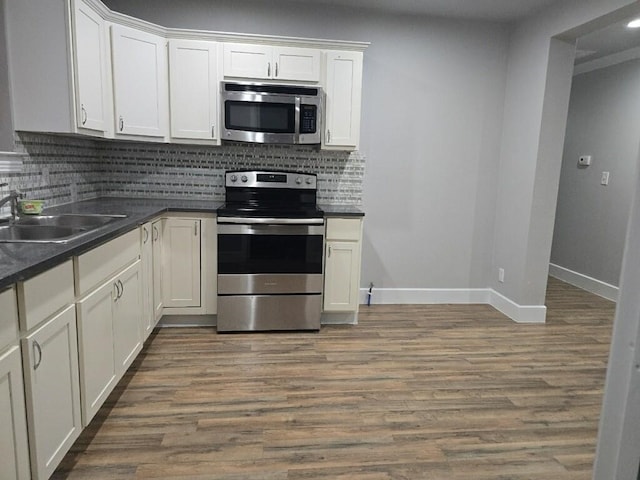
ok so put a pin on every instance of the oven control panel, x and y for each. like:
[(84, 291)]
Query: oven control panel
[(270, 179)]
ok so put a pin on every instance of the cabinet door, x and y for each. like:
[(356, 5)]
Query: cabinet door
[(98, 374), (139, 82), (298, 64), (91, 68), (342, 267), (14, 449), (193, 89), (156, 231), (146, 279), (343, 85), (127, 313), (181, 265), (50, 365), (247, 61)]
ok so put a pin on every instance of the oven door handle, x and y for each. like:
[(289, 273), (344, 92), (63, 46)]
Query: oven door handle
[(271, 221)]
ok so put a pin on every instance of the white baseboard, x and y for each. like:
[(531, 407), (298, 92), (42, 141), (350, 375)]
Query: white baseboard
[(426, 296), (605, 290), (518, 313)]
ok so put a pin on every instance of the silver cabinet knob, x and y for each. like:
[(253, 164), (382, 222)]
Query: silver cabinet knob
[(244, 178), (308, 181), (234, 178), (298, 180)]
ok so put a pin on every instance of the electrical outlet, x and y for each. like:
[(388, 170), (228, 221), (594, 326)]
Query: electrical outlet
[(604, 180), (501, 275)]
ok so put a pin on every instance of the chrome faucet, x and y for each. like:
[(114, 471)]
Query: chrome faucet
[(13, 197)]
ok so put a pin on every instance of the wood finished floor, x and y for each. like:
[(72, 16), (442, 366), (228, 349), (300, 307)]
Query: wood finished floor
[(451, 392)]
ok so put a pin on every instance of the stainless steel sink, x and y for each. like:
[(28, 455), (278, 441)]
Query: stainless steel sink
[(53, 228)]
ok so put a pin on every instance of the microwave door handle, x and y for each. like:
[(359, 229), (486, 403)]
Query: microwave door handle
[(297, 119)]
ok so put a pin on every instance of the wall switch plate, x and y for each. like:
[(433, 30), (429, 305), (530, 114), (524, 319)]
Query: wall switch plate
[(604, 180), (501, 275), (584, 160)]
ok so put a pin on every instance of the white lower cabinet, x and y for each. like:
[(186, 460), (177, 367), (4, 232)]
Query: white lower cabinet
[(126, 318), (50, 365), (97, 359), (342, 264), (110, 335), (14, 449), (156, 250), (146, 280), (181, 262)]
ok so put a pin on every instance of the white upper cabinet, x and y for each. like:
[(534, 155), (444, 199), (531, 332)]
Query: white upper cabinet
[(92, 70), (343, 87), (59, 66), (271, 62), (77, 67), (296, 64), (139, 82), (193, 90)]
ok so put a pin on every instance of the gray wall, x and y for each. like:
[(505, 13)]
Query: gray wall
[(591, 219), (432, 106), (6, 125), (536, 103)]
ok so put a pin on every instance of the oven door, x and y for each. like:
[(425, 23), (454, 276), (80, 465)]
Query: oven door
[(269, 258)]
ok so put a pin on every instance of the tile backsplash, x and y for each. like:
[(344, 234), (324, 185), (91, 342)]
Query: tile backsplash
[(61, 169)]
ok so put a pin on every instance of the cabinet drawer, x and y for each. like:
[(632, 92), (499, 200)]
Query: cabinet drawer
[(45, 294), (9, 318), (95, 266), (344, 229)]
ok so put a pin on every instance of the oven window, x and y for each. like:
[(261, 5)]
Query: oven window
[(260, 117), (269, 254)]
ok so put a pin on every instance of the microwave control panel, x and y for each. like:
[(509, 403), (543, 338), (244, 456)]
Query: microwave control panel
[(308, 116)]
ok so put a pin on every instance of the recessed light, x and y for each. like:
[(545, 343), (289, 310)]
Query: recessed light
[(634, 23)]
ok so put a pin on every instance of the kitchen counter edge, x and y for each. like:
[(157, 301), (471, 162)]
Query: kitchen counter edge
[(20, 261)]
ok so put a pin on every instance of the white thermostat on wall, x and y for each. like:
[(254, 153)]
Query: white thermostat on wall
[(584, 160)]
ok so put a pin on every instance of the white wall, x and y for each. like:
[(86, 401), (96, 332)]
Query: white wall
[(432, 106), (591, 219)]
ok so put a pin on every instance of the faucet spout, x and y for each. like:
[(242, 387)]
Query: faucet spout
[(12, 198)]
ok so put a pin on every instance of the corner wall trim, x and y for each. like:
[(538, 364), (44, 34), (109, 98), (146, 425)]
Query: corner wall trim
[(585, 282), (488, 296), (518, 313)]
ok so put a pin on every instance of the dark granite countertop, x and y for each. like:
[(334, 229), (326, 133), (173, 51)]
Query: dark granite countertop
[(19, 261), (341, 211)]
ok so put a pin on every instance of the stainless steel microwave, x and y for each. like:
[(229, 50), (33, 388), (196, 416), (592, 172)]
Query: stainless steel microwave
[(269, 113)]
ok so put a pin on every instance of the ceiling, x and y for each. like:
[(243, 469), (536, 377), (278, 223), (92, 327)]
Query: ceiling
[(612, 39), (492, 10)]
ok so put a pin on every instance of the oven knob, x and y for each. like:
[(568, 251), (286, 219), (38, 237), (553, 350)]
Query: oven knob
[(308, 181), (234, 178), (298, 180), (244, 178)]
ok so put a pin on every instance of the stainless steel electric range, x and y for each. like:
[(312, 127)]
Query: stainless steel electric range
[(270, 250)]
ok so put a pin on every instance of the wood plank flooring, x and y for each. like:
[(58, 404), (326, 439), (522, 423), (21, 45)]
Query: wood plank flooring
[(434, 392)]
